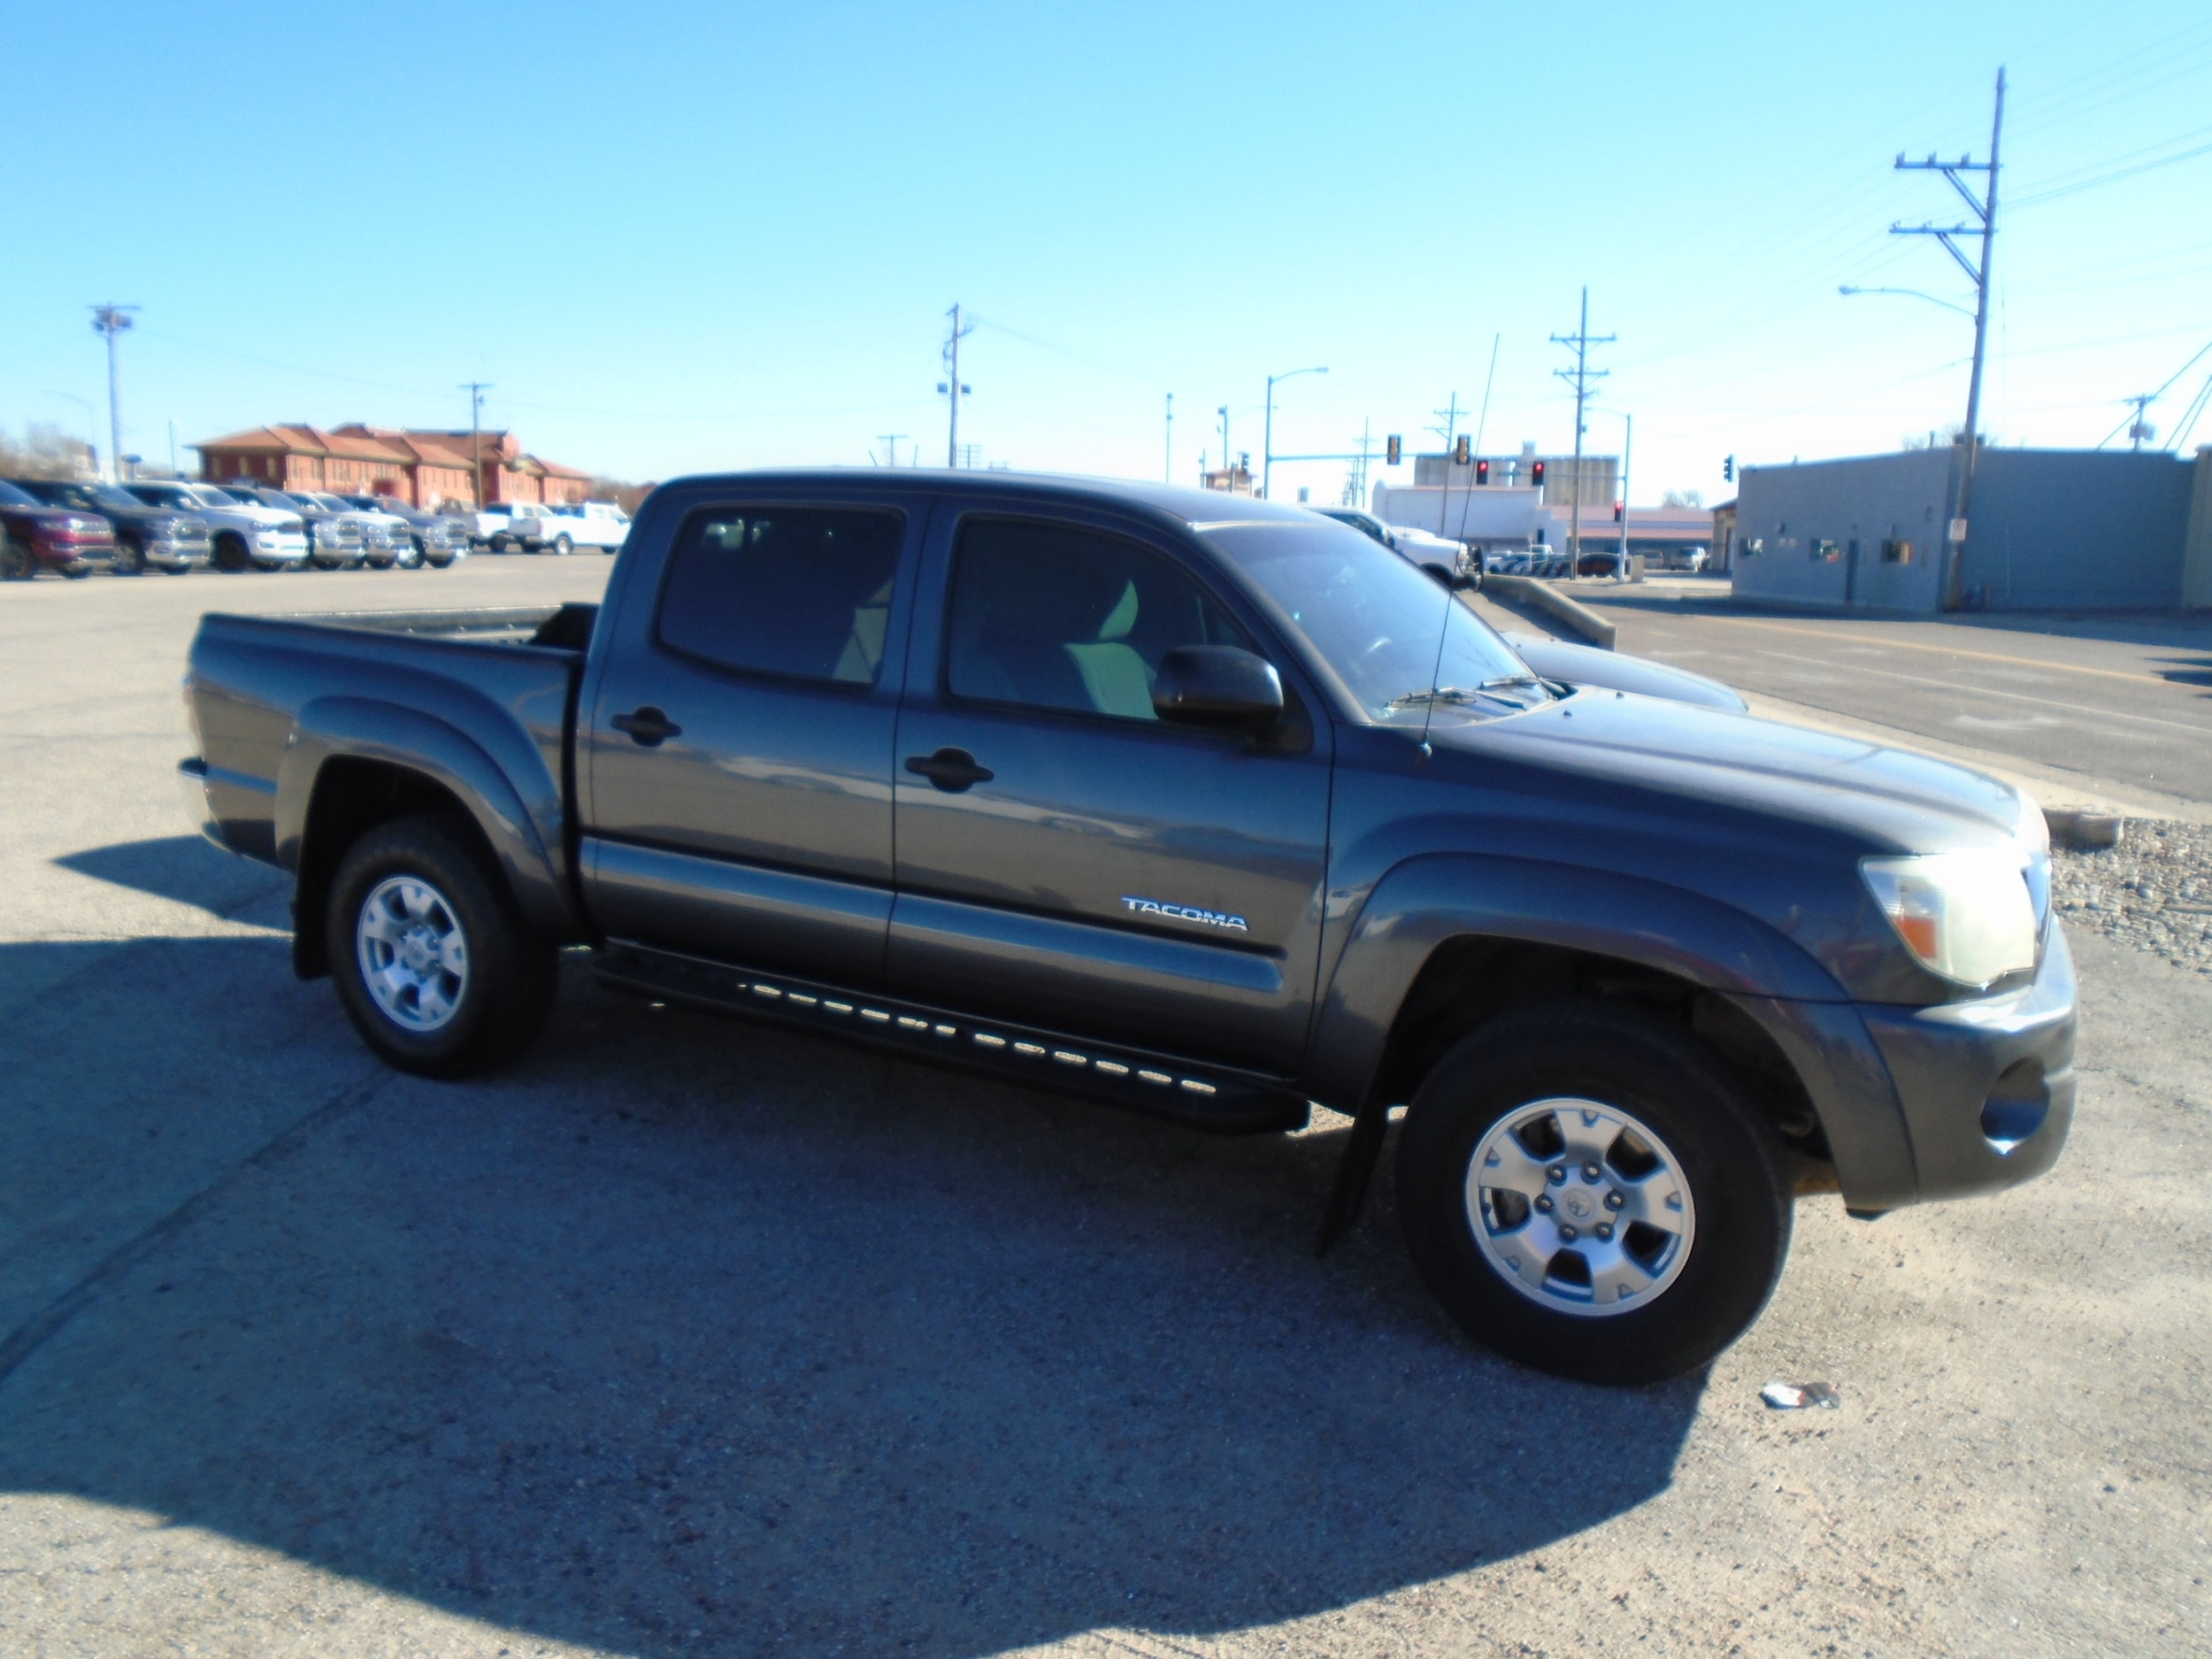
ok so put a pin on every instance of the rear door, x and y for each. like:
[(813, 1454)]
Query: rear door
[(734, 746), (1067, 860)]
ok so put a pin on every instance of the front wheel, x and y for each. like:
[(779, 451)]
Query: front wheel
[(434, 964), (18, 563), (130, 558), (1589, 1191)]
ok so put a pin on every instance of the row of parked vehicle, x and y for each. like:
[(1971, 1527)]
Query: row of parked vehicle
[(73, 528)]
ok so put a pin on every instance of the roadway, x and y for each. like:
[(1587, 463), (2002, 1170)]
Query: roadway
[(2113, 709)]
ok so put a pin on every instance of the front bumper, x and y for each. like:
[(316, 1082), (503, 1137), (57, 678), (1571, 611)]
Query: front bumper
[(1986, 1087), (177, 556), (279, 550), (1919, 1104)]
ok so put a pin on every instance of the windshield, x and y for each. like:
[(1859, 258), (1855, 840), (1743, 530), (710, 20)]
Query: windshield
[(108, 495), (1375, 620), (15, 497), (206, 495)]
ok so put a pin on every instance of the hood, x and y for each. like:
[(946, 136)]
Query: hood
[(1714, 764)]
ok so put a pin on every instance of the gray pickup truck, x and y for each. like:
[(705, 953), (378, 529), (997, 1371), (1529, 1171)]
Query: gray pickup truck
[(1201, 806)]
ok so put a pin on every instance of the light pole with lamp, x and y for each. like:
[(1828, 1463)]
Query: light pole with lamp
[(1267, 433)]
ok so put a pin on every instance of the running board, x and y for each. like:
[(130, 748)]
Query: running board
[(1224, 1101)]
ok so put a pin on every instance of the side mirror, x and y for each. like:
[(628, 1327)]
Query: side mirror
[(1218, 685)]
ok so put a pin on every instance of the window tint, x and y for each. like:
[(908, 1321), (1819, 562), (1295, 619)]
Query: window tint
[(802, 591), (1057, 617)]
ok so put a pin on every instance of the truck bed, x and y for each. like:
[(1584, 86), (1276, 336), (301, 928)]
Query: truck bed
[(488, 694)]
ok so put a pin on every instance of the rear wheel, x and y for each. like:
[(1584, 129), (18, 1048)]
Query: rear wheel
[(1589, 1191), (18, 563), (562, 546), (499, 544), (434, 964)]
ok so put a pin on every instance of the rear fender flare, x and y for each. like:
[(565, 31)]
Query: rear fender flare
[(366, 729)]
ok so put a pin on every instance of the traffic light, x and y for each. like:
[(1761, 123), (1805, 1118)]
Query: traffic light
[(1536, 475), (1482, 471), (1616, 511), (1459, 450), (1394, 450), (1728, 469)]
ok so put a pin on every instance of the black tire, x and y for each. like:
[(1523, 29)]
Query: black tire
[(18, 563), (76, 572), (499, 544), (130, 557), (230, 553), (1728, 1157), (501, 1004), (562, 546)]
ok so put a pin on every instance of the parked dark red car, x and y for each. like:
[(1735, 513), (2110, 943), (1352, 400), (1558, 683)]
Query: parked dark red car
[(39, 537)]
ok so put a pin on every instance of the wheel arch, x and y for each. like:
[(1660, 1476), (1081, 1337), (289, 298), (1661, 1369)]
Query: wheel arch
[(1445, 943), (350, 764)]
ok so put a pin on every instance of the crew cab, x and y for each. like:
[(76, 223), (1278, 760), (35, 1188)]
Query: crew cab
[(1197, 806), (246, 534)]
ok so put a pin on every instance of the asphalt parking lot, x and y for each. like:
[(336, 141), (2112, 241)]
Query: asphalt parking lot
[(686, 1337)]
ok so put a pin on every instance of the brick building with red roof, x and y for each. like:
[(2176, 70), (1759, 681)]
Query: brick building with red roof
[(424, 469)]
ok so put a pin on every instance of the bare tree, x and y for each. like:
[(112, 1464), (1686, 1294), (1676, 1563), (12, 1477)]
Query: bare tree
[(1683, 498), (46, 452)]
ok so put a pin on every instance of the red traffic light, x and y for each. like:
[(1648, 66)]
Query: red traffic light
[(1616, 511), (1482, 471), (1536, 474)]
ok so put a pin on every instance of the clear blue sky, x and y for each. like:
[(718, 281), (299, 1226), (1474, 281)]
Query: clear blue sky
[(684, 237)]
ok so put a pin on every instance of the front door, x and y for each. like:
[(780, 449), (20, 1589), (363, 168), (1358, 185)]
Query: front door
[(735, 750), (1065, 858)]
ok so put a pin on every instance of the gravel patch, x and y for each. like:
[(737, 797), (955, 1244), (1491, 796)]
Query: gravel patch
[(2153, 891)]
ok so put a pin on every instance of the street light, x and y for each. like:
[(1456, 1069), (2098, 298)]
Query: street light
[(1628, 454), (1847, 290), (1267, 433)]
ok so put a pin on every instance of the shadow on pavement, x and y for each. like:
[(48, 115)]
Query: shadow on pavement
[(184, 868), (684, 1336)]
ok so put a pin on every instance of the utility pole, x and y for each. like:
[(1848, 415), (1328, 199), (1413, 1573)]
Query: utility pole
[(1167, 464), (1359, 473), (1579, 377), (1224, 412), (1628, 454), (112, 321), (476, 390), (951, 387), (1985, 207), (1449, 430), (890, 440), (2139, 430)]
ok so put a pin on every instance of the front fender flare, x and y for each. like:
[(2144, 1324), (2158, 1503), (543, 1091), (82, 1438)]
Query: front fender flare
[(1422, 902), (364, 728)]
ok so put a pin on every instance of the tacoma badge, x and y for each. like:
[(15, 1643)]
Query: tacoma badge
[(1184, 913)]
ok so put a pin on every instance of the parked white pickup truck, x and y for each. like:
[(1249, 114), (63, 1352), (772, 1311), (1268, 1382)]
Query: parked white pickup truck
[(562, 529)]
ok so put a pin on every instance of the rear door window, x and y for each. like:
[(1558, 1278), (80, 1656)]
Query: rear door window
[(804, 593)]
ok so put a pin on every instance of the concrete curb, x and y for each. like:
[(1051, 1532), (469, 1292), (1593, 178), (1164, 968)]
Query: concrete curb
[(1541, 595)]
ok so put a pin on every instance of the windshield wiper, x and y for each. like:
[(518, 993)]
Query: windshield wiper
[(1457, 695)]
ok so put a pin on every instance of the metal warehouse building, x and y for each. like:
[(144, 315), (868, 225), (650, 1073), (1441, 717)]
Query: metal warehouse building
[(2048, 530)]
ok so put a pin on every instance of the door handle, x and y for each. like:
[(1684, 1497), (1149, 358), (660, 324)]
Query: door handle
[(951, 769), (648, 727)]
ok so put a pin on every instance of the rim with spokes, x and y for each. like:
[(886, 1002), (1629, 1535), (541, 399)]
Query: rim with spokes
[(1580, 1207), (414, 957)]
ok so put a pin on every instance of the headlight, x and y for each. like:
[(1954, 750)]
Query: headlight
[(1966, 915)]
